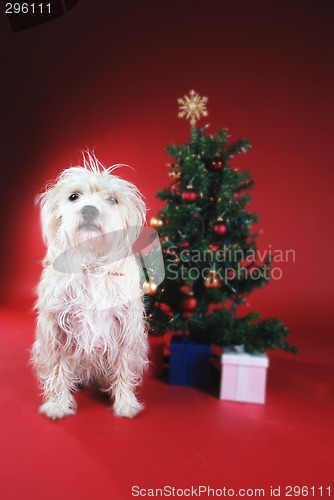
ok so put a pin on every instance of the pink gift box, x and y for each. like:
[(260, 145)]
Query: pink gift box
[(243, 376)]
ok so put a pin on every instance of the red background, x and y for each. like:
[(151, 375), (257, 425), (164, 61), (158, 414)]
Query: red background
[(107, 76)]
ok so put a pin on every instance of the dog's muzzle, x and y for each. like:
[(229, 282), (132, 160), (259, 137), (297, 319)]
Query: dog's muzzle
[(89, 213)]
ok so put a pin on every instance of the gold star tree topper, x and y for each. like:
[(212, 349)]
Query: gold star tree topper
[(192, 107)]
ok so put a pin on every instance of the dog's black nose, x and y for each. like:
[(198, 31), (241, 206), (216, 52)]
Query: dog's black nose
[(89, 213)]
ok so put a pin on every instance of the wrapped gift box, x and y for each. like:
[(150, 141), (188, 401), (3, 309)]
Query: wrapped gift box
[(189, 362), (243, 376)]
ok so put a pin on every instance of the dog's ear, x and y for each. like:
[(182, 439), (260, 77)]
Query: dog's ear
[(135, 210), (137, 214), (49, 219)]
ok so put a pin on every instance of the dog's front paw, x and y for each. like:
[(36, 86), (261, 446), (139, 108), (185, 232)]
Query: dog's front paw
[(57, 409), (127, 407)]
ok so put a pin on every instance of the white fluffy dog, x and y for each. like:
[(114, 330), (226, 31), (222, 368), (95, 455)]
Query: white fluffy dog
[(90, 326)]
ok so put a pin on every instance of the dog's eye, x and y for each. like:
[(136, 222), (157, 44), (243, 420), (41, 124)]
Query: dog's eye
[(112, 200), (74, 196)]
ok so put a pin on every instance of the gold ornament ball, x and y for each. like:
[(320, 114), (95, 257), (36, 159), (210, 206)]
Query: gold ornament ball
[(156, 222), (150, 288), (212, 280)]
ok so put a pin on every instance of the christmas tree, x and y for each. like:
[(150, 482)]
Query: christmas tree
[(209, 248)]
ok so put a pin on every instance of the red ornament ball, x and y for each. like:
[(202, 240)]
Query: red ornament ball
[(166, 309), (214, 248), (216, 164), (188, 303), (219, 228), (186, 289), (189, 195)]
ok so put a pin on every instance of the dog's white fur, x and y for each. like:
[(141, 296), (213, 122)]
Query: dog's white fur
[(90, 326)]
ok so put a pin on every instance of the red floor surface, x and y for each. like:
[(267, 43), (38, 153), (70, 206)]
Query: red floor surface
[(185, 438)]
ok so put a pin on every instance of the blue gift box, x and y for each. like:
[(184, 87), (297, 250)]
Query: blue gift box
[(189, 362)]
